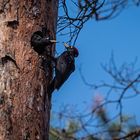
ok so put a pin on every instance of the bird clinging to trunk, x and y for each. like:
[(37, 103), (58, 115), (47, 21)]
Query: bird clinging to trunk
[(64, 66)]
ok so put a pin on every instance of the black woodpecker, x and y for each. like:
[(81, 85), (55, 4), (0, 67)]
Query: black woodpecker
[(64, 66)]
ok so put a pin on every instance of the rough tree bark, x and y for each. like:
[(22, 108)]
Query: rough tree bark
[(24, 102)]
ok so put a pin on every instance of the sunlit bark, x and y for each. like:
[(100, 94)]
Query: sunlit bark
[(24, 102)]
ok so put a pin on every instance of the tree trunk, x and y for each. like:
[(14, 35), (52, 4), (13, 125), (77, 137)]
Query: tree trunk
[(24, 102)]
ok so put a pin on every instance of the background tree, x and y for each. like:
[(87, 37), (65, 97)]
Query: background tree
[(97, 124), (74, 14), (124, 79), (24, 102)]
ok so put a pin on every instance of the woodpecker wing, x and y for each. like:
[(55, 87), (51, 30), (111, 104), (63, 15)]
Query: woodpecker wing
[(64, 67)]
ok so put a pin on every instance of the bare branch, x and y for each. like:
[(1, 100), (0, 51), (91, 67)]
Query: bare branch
[(74, 14)]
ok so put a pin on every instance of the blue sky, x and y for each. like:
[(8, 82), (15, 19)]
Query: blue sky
[(96, 42)]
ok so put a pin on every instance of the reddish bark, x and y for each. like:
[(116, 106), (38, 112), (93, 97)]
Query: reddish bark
[(24, 102)]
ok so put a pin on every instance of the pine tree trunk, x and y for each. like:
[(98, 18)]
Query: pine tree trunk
[(24, 102)]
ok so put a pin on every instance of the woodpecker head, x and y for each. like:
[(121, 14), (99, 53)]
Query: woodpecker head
[(73, 50)]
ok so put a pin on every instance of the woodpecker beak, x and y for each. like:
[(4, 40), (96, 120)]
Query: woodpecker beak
[(66, 45), (53, 41)]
